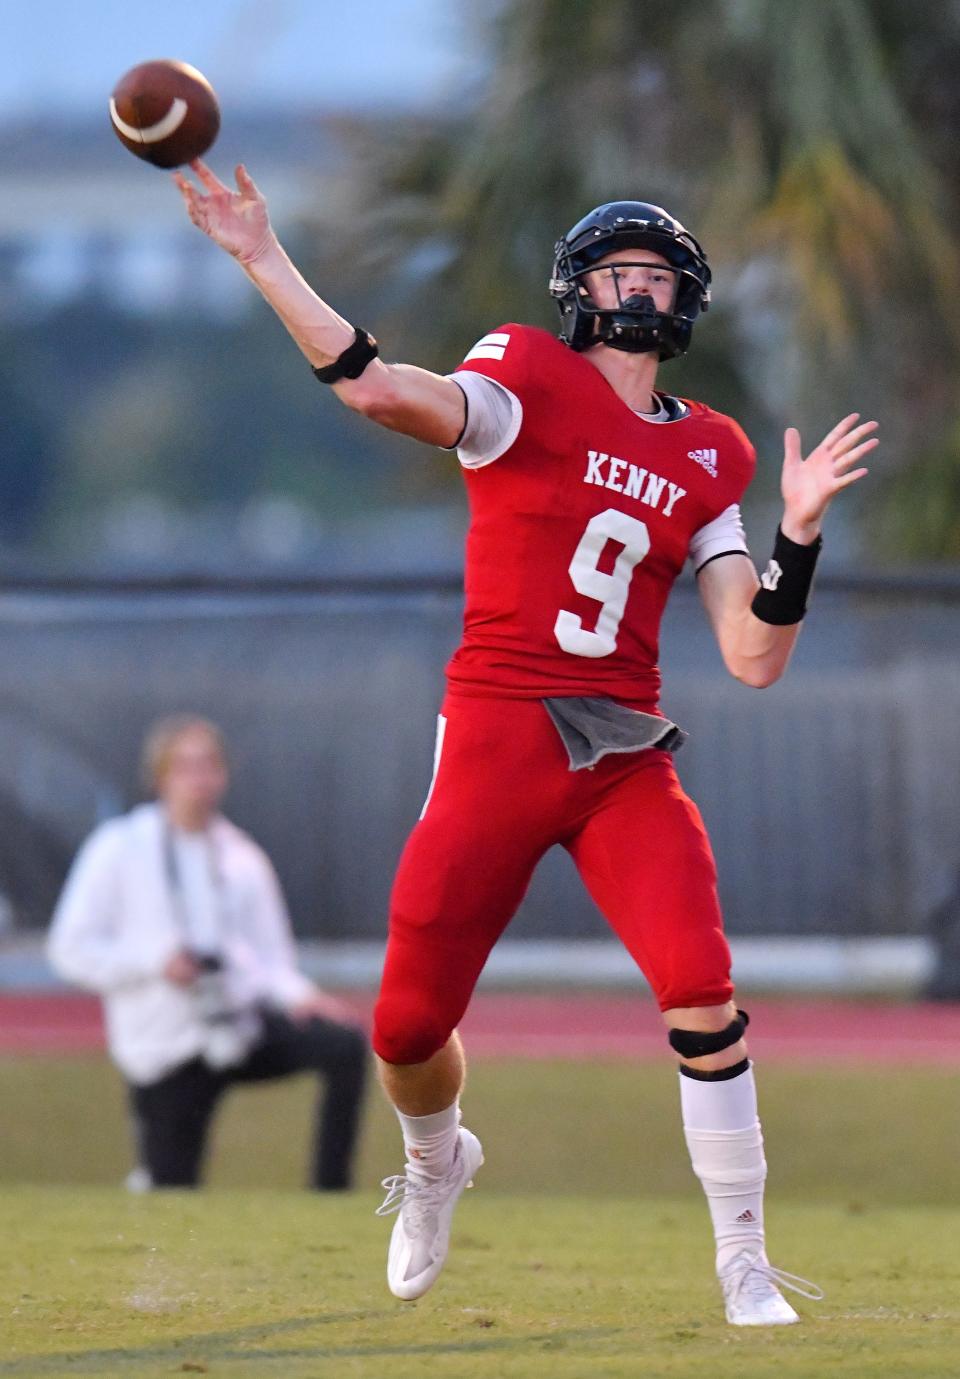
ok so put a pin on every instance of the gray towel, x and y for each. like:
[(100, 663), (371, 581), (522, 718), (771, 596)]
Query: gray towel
[(594, 728)]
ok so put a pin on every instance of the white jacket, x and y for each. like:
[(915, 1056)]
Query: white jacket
[(116, 926)]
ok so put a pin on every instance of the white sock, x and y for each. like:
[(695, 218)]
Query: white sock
[(430, 1141), (726, 1149)]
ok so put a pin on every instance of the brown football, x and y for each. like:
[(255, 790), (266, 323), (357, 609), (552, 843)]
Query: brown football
[(165, 112)]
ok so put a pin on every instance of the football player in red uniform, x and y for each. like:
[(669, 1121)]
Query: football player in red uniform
[(588, 491)]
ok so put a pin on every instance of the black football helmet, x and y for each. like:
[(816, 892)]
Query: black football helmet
[(634, 324)]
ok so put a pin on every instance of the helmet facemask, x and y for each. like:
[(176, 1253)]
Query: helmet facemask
[(636, 323)]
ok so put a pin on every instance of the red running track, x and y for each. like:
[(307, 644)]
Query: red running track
[(572, 1025)]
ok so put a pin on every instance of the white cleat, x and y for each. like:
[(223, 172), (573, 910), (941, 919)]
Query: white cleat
[(421, 1233), (751, 1293)]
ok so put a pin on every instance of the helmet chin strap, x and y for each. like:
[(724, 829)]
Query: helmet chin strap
[(633, 327)]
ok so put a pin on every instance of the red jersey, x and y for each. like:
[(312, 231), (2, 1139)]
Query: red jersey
[(580, 528)]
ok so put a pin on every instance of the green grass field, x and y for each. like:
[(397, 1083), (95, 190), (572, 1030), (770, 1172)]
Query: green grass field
[(583, 1252)]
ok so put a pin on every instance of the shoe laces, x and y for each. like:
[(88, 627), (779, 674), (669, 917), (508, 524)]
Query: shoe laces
[(419, 1198), (757, 1278)]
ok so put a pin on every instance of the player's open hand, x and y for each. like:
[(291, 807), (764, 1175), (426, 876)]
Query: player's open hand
[(236, 220), (808, 485)]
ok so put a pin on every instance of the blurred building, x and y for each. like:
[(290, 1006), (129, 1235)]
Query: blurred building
[(61, 235)]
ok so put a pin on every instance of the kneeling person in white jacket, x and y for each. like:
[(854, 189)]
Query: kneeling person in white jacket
[(175, 917)]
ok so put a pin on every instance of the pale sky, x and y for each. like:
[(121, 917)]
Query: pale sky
[(67, 55)]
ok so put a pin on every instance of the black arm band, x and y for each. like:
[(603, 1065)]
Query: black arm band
[(352, 362), (785, 583)]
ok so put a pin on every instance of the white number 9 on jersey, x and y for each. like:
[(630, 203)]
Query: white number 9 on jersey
[(610, 590)]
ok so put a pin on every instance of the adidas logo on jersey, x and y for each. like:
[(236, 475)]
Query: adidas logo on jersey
[(707, 459), (492, 346)]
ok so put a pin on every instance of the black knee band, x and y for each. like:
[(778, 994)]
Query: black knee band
[(718, 1074), (692, 1043)]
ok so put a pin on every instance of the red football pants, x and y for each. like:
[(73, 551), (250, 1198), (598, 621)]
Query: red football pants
[(502, 794)]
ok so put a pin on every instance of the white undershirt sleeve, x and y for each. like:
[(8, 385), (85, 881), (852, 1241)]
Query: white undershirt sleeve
[(723, 536), (494, 417)]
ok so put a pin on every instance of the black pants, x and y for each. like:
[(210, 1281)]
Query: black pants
[(173, 1115)]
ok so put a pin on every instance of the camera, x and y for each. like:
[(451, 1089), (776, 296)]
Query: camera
[(230, 1031)]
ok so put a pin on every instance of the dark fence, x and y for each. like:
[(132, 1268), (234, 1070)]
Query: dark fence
[(832, 798)]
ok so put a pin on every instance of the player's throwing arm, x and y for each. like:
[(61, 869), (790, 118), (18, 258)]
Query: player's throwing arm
[(403, 398)]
